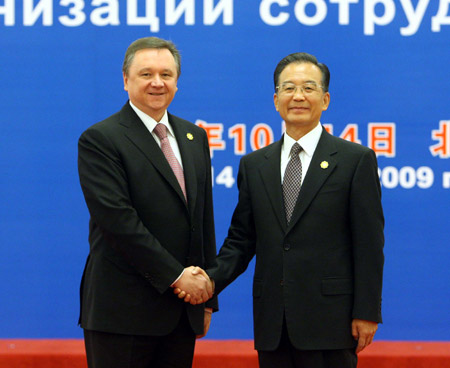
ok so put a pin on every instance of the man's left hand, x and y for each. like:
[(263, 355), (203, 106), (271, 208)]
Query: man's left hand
[(206, 322), (363, 331)]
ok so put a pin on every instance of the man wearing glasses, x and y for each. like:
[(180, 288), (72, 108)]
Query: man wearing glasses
[(310, 210)]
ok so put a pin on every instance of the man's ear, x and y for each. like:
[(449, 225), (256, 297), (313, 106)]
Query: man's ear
[(325, 101), (125, 82)]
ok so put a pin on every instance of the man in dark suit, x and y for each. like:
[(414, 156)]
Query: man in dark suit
[(310, 210), (146, 179)]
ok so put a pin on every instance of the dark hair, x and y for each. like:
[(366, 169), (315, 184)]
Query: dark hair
[(299, 58), (150, 43)]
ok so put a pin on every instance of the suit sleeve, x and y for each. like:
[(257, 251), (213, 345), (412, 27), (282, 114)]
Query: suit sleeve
[(104, 184), (367, 223), (209, 237), (239, 246)]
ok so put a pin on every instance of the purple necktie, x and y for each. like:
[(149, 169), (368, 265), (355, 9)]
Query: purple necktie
[(161, 131), (292, 181)]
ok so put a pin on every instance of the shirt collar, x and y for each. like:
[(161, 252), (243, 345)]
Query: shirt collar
[(308, 142), (150, 123)]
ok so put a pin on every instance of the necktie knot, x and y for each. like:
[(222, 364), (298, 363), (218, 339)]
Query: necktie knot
[(160, 130), (296, 149)]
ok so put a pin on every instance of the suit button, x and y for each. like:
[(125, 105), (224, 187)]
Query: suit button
[(193, 228), (282, 282), (287, 247)]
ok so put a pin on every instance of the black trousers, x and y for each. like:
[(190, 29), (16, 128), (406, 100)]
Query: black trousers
[(287, 356), (107, 350)]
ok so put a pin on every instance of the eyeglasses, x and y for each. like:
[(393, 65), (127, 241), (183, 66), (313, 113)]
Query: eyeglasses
[(307, 89)]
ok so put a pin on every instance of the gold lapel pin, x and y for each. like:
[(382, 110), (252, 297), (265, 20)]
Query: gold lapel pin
[(324, 164), (190, 136)]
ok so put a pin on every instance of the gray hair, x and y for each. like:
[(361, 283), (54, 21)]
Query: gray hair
[(150, 43)]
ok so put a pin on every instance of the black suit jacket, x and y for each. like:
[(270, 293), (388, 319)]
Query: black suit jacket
[(142, 233), (325, 268)]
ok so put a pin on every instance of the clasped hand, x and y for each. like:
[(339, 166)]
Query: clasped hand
[(194, 286)]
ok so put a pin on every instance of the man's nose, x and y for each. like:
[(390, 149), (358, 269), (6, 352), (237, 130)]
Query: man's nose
[(298, 93), (157, 81)]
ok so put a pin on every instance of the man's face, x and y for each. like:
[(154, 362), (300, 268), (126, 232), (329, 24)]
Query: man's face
[(152, 81), (301, 109)]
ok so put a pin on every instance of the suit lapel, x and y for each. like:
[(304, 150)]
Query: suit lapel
[(320, 168), (138, 133), (271, 177)]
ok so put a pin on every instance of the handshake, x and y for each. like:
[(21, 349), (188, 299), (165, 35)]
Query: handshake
[(194, 286)]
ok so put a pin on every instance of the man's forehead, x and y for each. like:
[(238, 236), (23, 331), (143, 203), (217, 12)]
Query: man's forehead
[(304, 67), (153, 55)]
